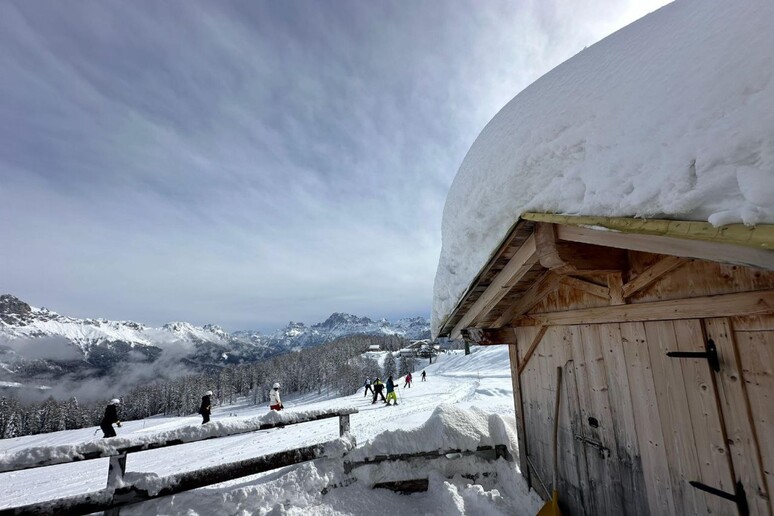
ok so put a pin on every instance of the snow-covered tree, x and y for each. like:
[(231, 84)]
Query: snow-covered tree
[(390, 367)]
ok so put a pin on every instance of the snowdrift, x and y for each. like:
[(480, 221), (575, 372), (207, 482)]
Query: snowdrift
[(670, 117)]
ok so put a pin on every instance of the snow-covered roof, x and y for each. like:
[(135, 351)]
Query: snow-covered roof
[(671, 117)]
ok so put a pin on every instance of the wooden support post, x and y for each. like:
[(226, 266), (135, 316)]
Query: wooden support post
[(652, 274), (518, 402), (115, 478), (615, 285), (538, 292), (572, 258), (343, 424), (532, 347)]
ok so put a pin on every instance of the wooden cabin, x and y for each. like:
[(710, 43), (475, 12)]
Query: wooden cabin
[(664, 331)]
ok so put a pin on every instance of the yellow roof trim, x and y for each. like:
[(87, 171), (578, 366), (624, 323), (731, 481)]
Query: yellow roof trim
[(758, 237)]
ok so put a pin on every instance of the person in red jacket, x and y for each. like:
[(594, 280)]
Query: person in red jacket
[(408, 381)]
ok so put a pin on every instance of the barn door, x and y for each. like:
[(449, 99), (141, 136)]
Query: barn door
[(603, 436), (684, 363), (745, 384), (647, 427)]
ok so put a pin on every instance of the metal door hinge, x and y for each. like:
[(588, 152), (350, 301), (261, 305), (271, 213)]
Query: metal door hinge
[(711, 354), (739, 497)]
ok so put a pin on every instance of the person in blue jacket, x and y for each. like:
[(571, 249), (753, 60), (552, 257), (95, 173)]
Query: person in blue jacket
[(391, 391)]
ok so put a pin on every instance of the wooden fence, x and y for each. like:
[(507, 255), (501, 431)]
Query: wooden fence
[(118, 493)]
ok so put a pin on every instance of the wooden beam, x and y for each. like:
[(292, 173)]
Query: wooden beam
[(586, 286), (490, 336), (760, 236), (726, 305), (517, 267), (538, 292), (569, 258), (652, 273), (518, 402), (173, 484), (615, 286), (532, 347), (95, 450), (712, 251)]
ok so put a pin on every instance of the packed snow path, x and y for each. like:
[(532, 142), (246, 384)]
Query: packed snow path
[(479, 380)]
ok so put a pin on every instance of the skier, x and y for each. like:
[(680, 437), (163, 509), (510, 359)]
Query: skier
[(408, 381), (423, 376), (391, 391), (378, 386), (367, 387), (275, 403), (111, 416), (206, 407)]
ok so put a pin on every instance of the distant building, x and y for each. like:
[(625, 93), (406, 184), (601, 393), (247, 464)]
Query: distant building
[(374, 347)]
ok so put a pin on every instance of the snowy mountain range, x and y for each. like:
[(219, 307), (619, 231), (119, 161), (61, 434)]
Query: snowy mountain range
[(37, 342)]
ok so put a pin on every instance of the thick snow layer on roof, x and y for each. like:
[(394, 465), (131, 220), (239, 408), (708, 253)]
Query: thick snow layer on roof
[(670, 117)]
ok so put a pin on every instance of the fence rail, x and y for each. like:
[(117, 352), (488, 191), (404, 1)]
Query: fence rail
[(123, 450), (118, 493)]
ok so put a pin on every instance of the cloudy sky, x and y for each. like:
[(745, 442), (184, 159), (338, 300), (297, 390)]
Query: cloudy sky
[(248, 163)]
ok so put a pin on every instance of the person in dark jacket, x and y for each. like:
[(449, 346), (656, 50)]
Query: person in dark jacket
[(391, 395), (205, 407), (378, 388), (423, 376), (110, 417)]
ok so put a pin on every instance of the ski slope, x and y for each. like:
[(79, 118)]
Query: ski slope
[(461, 392)]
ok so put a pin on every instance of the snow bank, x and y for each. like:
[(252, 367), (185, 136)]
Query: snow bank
[(322, 487), (448, 428), (106, 447), (671, 117)]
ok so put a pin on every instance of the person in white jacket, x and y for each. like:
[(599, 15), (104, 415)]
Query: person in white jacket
[(275, 403)]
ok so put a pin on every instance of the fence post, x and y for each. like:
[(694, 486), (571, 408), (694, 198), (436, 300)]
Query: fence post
[(115, 477), (343, 424)]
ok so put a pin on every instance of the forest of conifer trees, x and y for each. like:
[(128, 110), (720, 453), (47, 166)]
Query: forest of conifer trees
[(336, 368)]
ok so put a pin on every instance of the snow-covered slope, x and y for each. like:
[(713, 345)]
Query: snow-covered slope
[(466, 401), (672, 117)]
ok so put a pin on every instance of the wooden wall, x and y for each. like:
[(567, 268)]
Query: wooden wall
[(636, 425)]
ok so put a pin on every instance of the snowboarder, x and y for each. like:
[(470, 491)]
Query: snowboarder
[(408, 381), (367, 387), (110, 417), (423, 376), (378, 387), (275, 403), (391, 395), (206, 407)]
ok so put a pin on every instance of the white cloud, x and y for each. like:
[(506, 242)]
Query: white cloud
[(252, 163)]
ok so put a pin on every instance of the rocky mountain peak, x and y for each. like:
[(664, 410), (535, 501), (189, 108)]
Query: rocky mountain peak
[(342, 319), (13, 310), (214, 328), (178, 326)]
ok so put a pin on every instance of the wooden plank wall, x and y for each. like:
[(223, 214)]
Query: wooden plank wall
[(746, 392), (657, 420)]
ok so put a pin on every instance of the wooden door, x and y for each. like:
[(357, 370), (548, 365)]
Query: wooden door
[(745, 382), (646, 425), (690, 417)]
